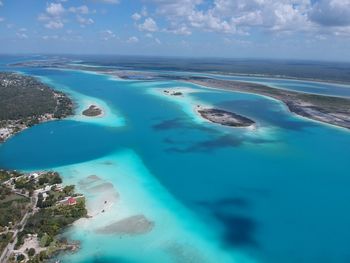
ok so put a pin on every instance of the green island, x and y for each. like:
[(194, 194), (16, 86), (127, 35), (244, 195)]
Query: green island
[(92, 111), (25, 101), (34, 210)]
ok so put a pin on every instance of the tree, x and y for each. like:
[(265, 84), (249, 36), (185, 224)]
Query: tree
[(40, 200), (31, 252), (20, 257)]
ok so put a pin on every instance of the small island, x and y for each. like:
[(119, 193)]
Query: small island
[(25, 101), (173, 93), (93, 111), (225, 118)]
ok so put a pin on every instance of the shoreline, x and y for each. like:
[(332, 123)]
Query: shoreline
[(64, 63), (211, 114), (309, 106), (24, 84), (36, 235)]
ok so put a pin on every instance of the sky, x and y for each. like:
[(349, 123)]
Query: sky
[(297, 29)]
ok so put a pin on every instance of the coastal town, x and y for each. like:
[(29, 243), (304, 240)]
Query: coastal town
[(34, 209)]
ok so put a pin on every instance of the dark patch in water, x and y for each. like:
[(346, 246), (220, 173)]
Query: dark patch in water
[(239, 230), (238, 202), (217, 143), (169, 124), (182, 123), (108, 163)]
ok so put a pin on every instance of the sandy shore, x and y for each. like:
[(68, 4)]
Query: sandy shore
[(105, 193), (210, 113)]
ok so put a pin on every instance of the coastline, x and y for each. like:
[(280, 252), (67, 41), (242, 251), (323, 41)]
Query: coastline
[(17, 122), (301, 104), (210, 114), (36, 235)]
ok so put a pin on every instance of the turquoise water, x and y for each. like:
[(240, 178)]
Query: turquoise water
[(275, 194)]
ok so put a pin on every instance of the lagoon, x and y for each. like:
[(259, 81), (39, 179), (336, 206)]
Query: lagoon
[(215, 194)]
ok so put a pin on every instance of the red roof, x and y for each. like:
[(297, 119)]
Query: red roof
[(72, 201)]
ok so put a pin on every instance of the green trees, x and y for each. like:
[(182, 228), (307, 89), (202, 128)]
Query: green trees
[(24, 97), (31, 252)]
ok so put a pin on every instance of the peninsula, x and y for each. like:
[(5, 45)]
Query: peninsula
[(25, 101), (326, 109)]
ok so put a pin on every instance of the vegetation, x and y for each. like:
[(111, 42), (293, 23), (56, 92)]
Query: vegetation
[(5, 175), (30, 183), (12, 207), (25, 101), (92, 111), (49, 222), (23, 97), (5, 238), (53, 215)]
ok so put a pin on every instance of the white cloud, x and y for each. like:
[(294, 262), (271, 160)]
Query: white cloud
[(136, 16), (144, 11), (132, 40), (1, 3), (234, 16), (49, 37), (179, 29), (108, 1), (21, 35), (148, 25), (84, 21), (52, 17), (83, 10), (54, 24), (157, 41), (331, 12), (2, 19), (55, 9), (107, 35)]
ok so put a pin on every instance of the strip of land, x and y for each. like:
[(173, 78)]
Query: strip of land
[(327, 109), (25, 101)]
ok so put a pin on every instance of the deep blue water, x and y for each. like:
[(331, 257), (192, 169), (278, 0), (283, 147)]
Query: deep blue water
[(280, 196)]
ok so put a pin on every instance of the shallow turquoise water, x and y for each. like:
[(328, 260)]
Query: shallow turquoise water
[(277, 194)]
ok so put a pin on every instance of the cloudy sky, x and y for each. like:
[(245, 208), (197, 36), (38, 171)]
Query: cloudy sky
[(300, 29)]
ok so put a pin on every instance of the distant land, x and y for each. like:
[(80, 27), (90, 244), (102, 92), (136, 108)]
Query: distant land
[(327, 109), (294, 69)]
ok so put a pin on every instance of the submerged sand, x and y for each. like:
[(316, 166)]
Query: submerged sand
[(133, 225)]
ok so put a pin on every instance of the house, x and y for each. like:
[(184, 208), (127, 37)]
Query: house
[(45, 195), (71, 201)]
